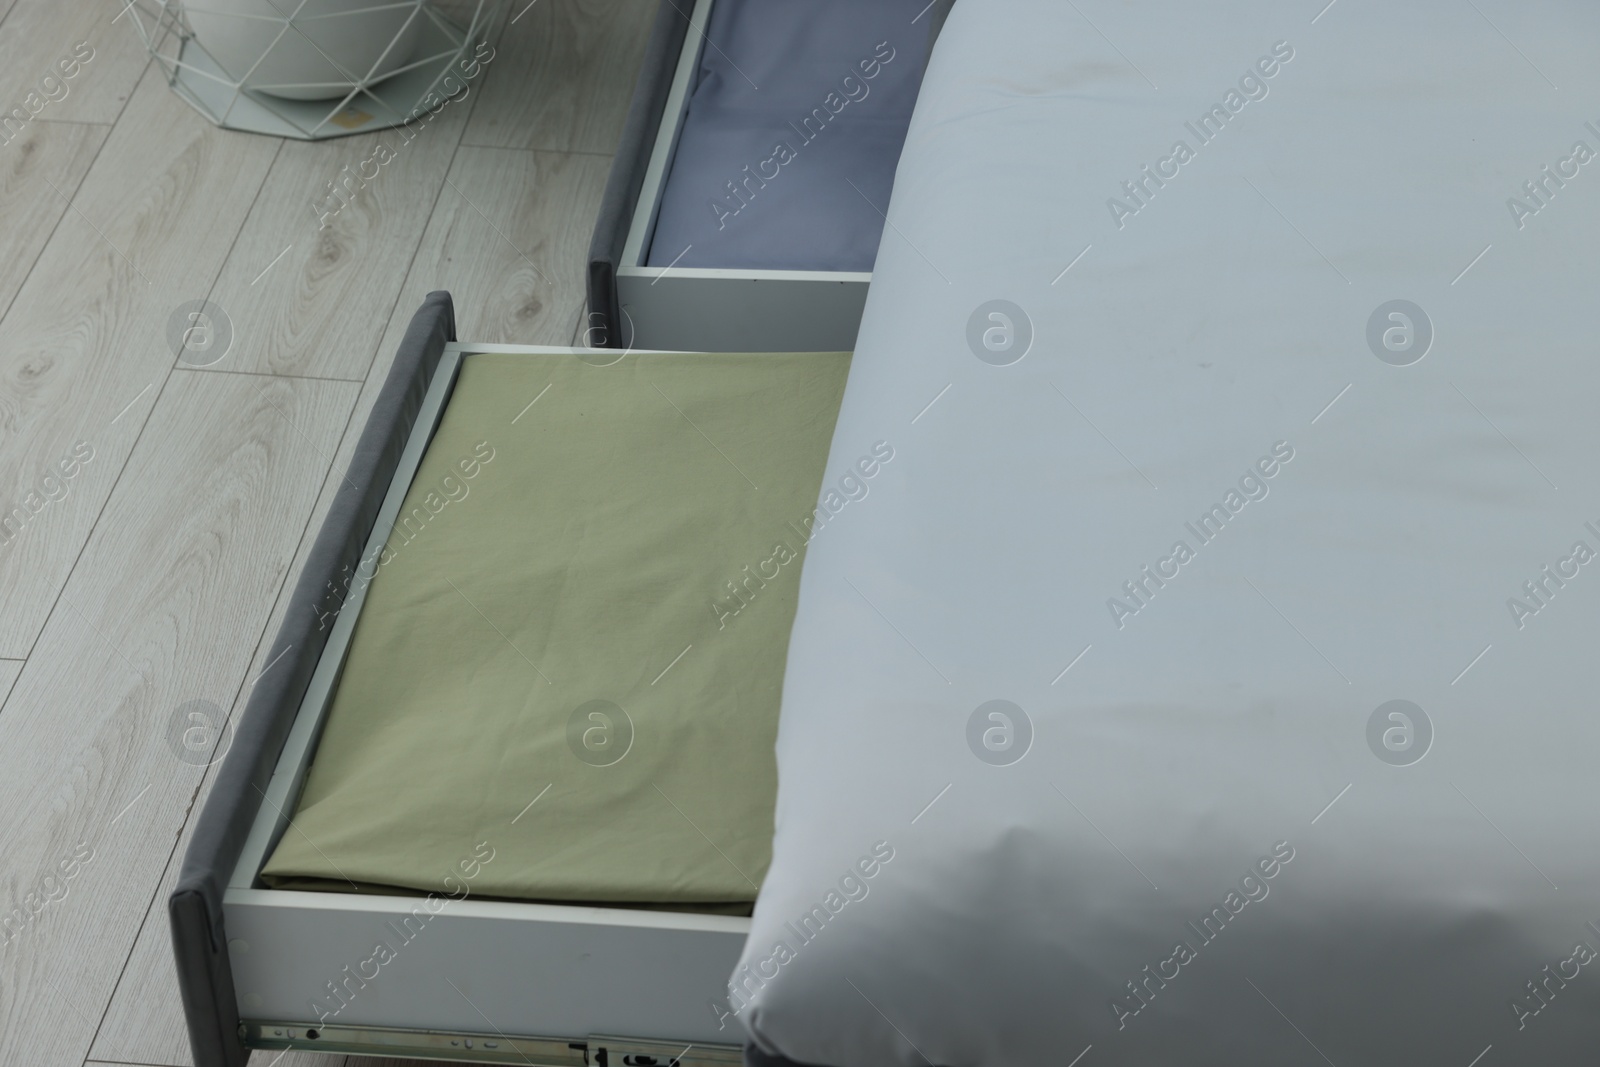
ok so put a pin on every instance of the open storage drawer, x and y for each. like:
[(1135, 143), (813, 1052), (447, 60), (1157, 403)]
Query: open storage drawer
[(666, 284), (475, 980)]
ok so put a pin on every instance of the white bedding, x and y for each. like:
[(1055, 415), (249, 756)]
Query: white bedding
[(1222, 744)]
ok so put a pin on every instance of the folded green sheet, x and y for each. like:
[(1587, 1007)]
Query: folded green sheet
[(571, 656)]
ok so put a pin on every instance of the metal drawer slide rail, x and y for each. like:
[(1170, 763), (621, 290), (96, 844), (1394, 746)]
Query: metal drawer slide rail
[(462, 1047)]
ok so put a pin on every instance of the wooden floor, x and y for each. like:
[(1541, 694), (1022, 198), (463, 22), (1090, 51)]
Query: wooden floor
[(156, 574)]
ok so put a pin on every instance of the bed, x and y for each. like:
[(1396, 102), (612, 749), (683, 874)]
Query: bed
[(1215, 659), (1194, 664)]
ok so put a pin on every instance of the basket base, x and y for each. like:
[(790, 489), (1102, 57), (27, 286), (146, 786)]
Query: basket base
[(394, 101)]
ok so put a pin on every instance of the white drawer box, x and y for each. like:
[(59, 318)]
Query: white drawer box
[(636, 303), (487, 981)]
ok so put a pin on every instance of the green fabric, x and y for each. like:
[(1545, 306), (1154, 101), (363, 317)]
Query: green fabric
[(583, 548)]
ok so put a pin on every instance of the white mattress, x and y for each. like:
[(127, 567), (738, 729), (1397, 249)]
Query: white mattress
[(1229, 722)]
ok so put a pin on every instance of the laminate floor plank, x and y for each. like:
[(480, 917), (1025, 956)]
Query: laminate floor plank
[(84, 347), (460, 12), (40, 170), (158, 622), (102, 49), (9, 669), (509, 239), (320, 309), (563, 75), (144, 1023)]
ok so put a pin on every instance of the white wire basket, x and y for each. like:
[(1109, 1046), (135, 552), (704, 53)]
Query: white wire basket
[(314, 69)]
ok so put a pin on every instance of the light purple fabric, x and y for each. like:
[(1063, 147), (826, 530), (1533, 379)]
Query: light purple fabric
[(831, 81)]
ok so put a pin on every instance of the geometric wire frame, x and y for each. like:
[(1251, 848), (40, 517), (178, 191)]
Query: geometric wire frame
[(362, 101)]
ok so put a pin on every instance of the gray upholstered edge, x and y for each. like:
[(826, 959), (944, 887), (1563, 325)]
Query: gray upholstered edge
[(604, 328), (199, 942)]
